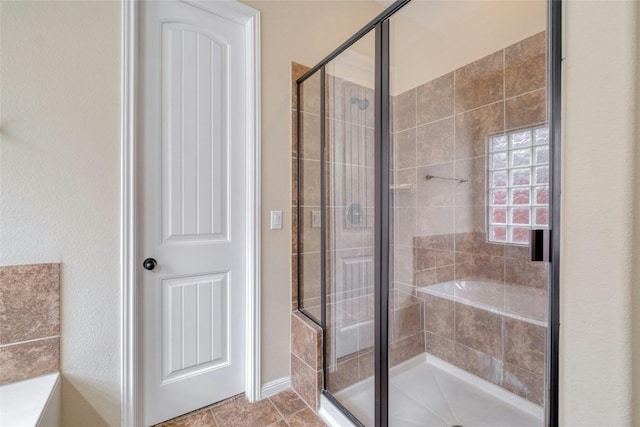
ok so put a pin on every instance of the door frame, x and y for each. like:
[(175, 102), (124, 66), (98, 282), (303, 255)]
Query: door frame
[(131, 346)]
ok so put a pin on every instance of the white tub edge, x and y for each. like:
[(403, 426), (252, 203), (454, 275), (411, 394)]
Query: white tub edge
[(50, 416), (34, 402)]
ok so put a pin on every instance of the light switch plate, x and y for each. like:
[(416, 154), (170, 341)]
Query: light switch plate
[(276, 220)]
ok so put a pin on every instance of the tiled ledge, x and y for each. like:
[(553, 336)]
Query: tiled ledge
[(306, 359)]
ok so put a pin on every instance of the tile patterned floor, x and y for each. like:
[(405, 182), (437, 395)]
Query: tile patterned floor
[(285, 409)]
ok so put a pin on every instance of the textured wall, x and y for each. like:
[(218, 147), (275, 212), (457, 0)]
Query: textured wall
[(60, 182), (597, 217), (304, 32)]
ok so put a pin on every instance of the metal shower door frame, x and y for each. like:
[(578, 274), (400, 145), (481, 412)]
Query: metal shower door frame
[(380, 26)]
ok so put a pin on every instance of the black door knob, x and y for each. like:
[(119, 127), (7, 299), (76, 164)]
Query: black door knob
[(149, 264)]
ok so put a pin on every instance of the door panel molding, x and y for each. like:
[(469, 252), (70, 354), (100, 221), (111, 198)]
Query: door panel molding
[(131, 392)]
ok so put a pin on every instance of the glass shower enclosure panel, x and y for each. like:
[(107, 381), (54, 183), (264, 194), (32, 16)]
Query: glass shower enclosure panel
[(469, 180), (309, 195), (349, 166)]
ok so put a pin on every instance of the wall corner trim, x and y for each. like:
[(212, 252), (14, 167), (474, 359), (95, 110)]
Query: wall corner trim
[(131, 415)]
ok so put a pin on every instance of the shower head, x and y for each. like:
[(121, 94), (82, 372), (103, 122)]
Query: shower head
[(363, 104)]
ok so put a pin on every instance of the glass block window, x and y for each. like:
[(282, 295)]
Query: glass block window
[(518, 184)]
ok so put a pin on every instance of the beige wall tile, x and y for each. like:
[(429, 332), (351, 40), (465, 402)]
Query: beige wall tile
[(479, 266), (297, 70), (405, 349), (527, 273), (524, 383), (403, 184), (438, 316), (403, 149), (471, 192), (28, 360), (343, 374), (310, 183), (436, 191), (310, 136), (524, 345), (304, 340), (403, 111), (474, 127), (440, 347), (305, 381), (435, 142), (310, 95), (526, 110), (310, 275), (525, 65), (29, 302), (407, 321), (479, 83), (477, 243), (479, 363), (435, 99), (478, 329)]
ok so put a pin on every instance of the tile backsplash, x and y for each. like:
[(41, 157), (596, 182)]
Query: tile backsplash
[(29, 321)]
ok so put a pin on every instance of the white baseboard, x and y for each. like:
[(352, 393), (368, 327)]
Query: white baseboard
[(274, 387)]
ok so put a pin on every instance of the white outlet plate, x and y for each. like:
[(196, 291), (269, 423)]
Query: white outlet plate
[(276, 220)]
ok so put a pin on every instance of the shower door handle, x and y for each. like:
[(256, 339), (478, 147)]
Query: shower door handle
[(540, 245)]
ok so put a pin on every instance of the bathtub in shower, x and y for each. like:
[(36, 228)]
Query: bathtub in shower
[(506, 299), (34, 402)]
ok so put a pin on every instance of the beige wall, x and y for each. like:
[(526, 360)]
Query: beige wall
[(304, 32), (60, 171), (597, 214), (635, 319), (60, 177)]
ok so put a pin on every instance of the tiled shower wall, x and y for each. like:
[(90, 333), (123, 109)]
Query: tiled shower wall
[(29, 321), (442, 128)]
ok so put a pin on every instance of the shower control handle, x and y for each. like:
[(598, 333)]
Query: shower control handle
[(149, 264)]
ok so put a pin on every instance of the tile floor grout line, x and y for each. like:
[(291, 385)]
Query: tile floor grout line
[(303, 401), (276, 408), (219, 423), (213, 415)]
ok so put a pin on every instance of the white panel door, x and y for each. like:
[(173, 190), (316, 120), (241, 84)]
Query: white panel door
[(191, 209)]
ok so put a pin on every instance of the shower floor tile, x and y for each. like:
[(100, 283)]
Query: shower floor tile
[(425, 391)]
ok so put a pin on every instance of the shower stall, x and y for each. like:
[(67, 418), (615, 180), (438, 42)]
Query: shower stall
[(427, 189)]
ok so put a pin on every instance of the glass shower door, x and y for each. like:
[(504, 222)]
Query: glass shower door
[(349, 166), (469, 179)]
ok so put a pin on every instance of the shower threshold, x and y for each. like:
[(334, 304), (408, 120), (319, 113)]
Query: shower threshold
[(427, 391)]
